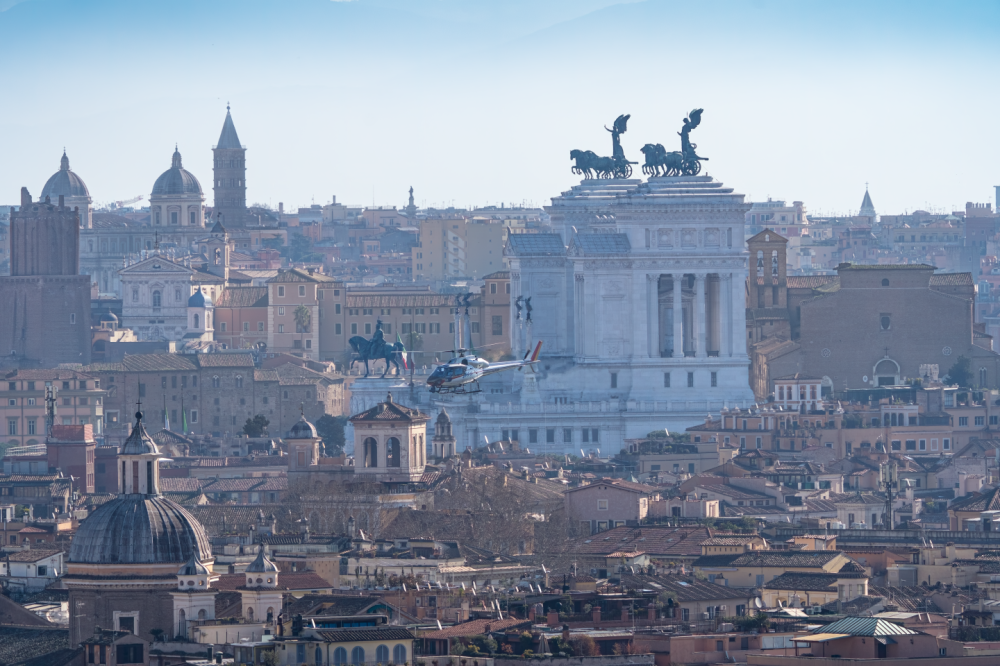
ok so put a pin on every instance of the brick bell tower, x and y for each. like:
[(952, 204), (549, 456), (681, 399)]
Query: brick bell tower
[(230, 182)]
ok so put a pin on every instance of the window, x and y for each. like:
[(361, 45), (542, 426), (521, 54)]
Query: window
[(157, 298), (567, 434), (281, 328), (533, 435), (337, 329), (239, 381), (550, 435), (194, 414), (963, 420), (493, 287), (475, 326), (192, 219), (690, 380), (260, 327), (357, 656), (131, 653), (281, 290), (398, 655), (216, 382), (715, 379), (885, 282), (354, 329), (981, 420), (497, 323), (11, 426), (382, 654), (602, 505), (911, 445), (281, 311), (302, 290), (946, 443), (922, 445), (685, 615), (666, 380), (885, 320), (614, 380)]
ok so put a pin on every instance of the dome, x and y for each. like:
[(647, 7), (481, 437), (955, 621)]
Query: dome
[(302, 430), (109, 316), (139, 443), (261, 564), (133, 529), (64, 182), (443, 416), (193, 567), (176, 180), (199, 300)]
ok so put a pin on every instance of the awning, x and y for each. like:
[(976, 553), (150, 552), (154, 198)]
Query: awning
[(819, 638), (885, 640)]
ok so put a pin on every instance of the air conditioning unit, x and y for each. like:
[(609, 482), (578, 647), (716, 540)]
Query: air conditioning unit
[(725, 627), (817, 610), (704, 616)]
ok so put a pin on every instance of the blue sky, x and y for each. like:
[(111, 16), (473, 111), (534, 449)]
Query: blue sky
[(481, 102)]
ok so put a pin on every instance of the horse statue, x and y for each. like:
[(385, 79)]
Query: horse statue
[(374, 349), (588, 163), (584, 162), (659, 162)]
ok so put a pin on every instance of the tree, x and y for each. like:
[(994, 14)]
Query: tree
[(584, 646), (256, 427), (961, 372), (303, 317), (331, 430)]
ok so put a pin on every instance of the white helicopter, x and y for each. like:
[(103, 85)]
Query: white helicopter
[(462, 373)]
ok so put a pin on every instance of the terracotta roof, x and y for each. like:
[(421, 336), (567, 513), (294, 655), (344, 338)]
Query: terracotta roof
[(477, 627), (298, 580), (687, 588), (988, 501), (809, 281), (618, 483), (654, 540), (391, 411), (154, 362), (951, 279), (299, 275), (179, 484), (369, 634), (243, 297), (31, 555), (786, 558), (228, 360)]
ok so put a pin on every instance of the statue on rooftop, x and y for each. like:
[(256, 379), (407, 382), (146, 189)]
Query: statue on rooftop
[(684, 163), (376, 348), (589, 164)]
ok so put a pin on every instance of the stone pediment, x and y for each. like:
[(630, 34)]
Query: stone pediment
[(159, 265)]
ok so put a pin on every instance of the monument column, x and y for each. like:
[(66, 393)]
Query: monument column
[(726, 314), (739, 336), (699, 329), (653, 314), (678, 316), (580, 329)]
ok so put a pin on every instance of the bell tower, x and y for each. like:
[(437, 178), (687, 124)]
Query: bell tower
[(230, 176), (443, 441)]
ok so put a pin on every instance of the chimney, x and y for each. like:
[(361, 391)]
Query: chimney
[(281, 207)]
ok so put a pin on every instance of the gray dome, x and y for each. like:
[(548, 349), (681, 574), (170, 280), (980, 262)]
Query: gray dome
[(193, 567), (302, 430), (134, 529), (109, 316), (176, 180), (199, 299), (64, 182), (139, 442), (261, 564)]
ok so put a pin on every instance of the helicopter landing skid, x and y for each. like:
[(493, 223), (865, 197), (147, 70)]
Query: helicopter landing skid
[(473, 387)]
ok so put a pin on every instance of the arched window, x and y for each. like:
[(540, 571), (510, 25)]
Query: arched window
[(358, 656), (157, 299), (382, 654), (215, 381), (371, 452), (239, 381), (885, 282), (201, 614), (270, 614), (181, 623), (399, 654), (339, 656), (319, 656), (392, 457), (250, 614), (196, 321)]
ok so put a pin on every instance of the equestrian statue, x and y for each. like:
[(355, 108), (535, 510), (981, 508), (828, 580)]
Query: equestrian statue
[(589, 164), (376, 348)]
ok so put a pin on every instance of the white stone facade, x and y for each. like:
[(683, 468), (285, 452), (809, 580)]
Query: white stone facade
[(638, 297), (155, 299)]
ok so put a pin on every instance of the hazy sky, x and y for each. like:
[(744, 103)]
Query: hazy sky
[(480, 102)]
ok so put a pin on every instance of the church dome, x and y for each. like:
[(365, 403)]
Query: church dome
[(199, 300), (64, 182), (302, 430), (261, 564), (139, 442), (140, 529), (176, 180)]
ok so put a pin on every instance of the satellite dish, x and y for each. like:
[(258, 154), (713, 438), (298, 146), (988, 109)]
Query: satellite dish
[(757, 602)]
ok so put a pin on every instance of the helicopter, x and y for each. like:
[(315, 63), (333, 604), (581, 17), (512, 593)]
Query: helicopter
[(462, 373)]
